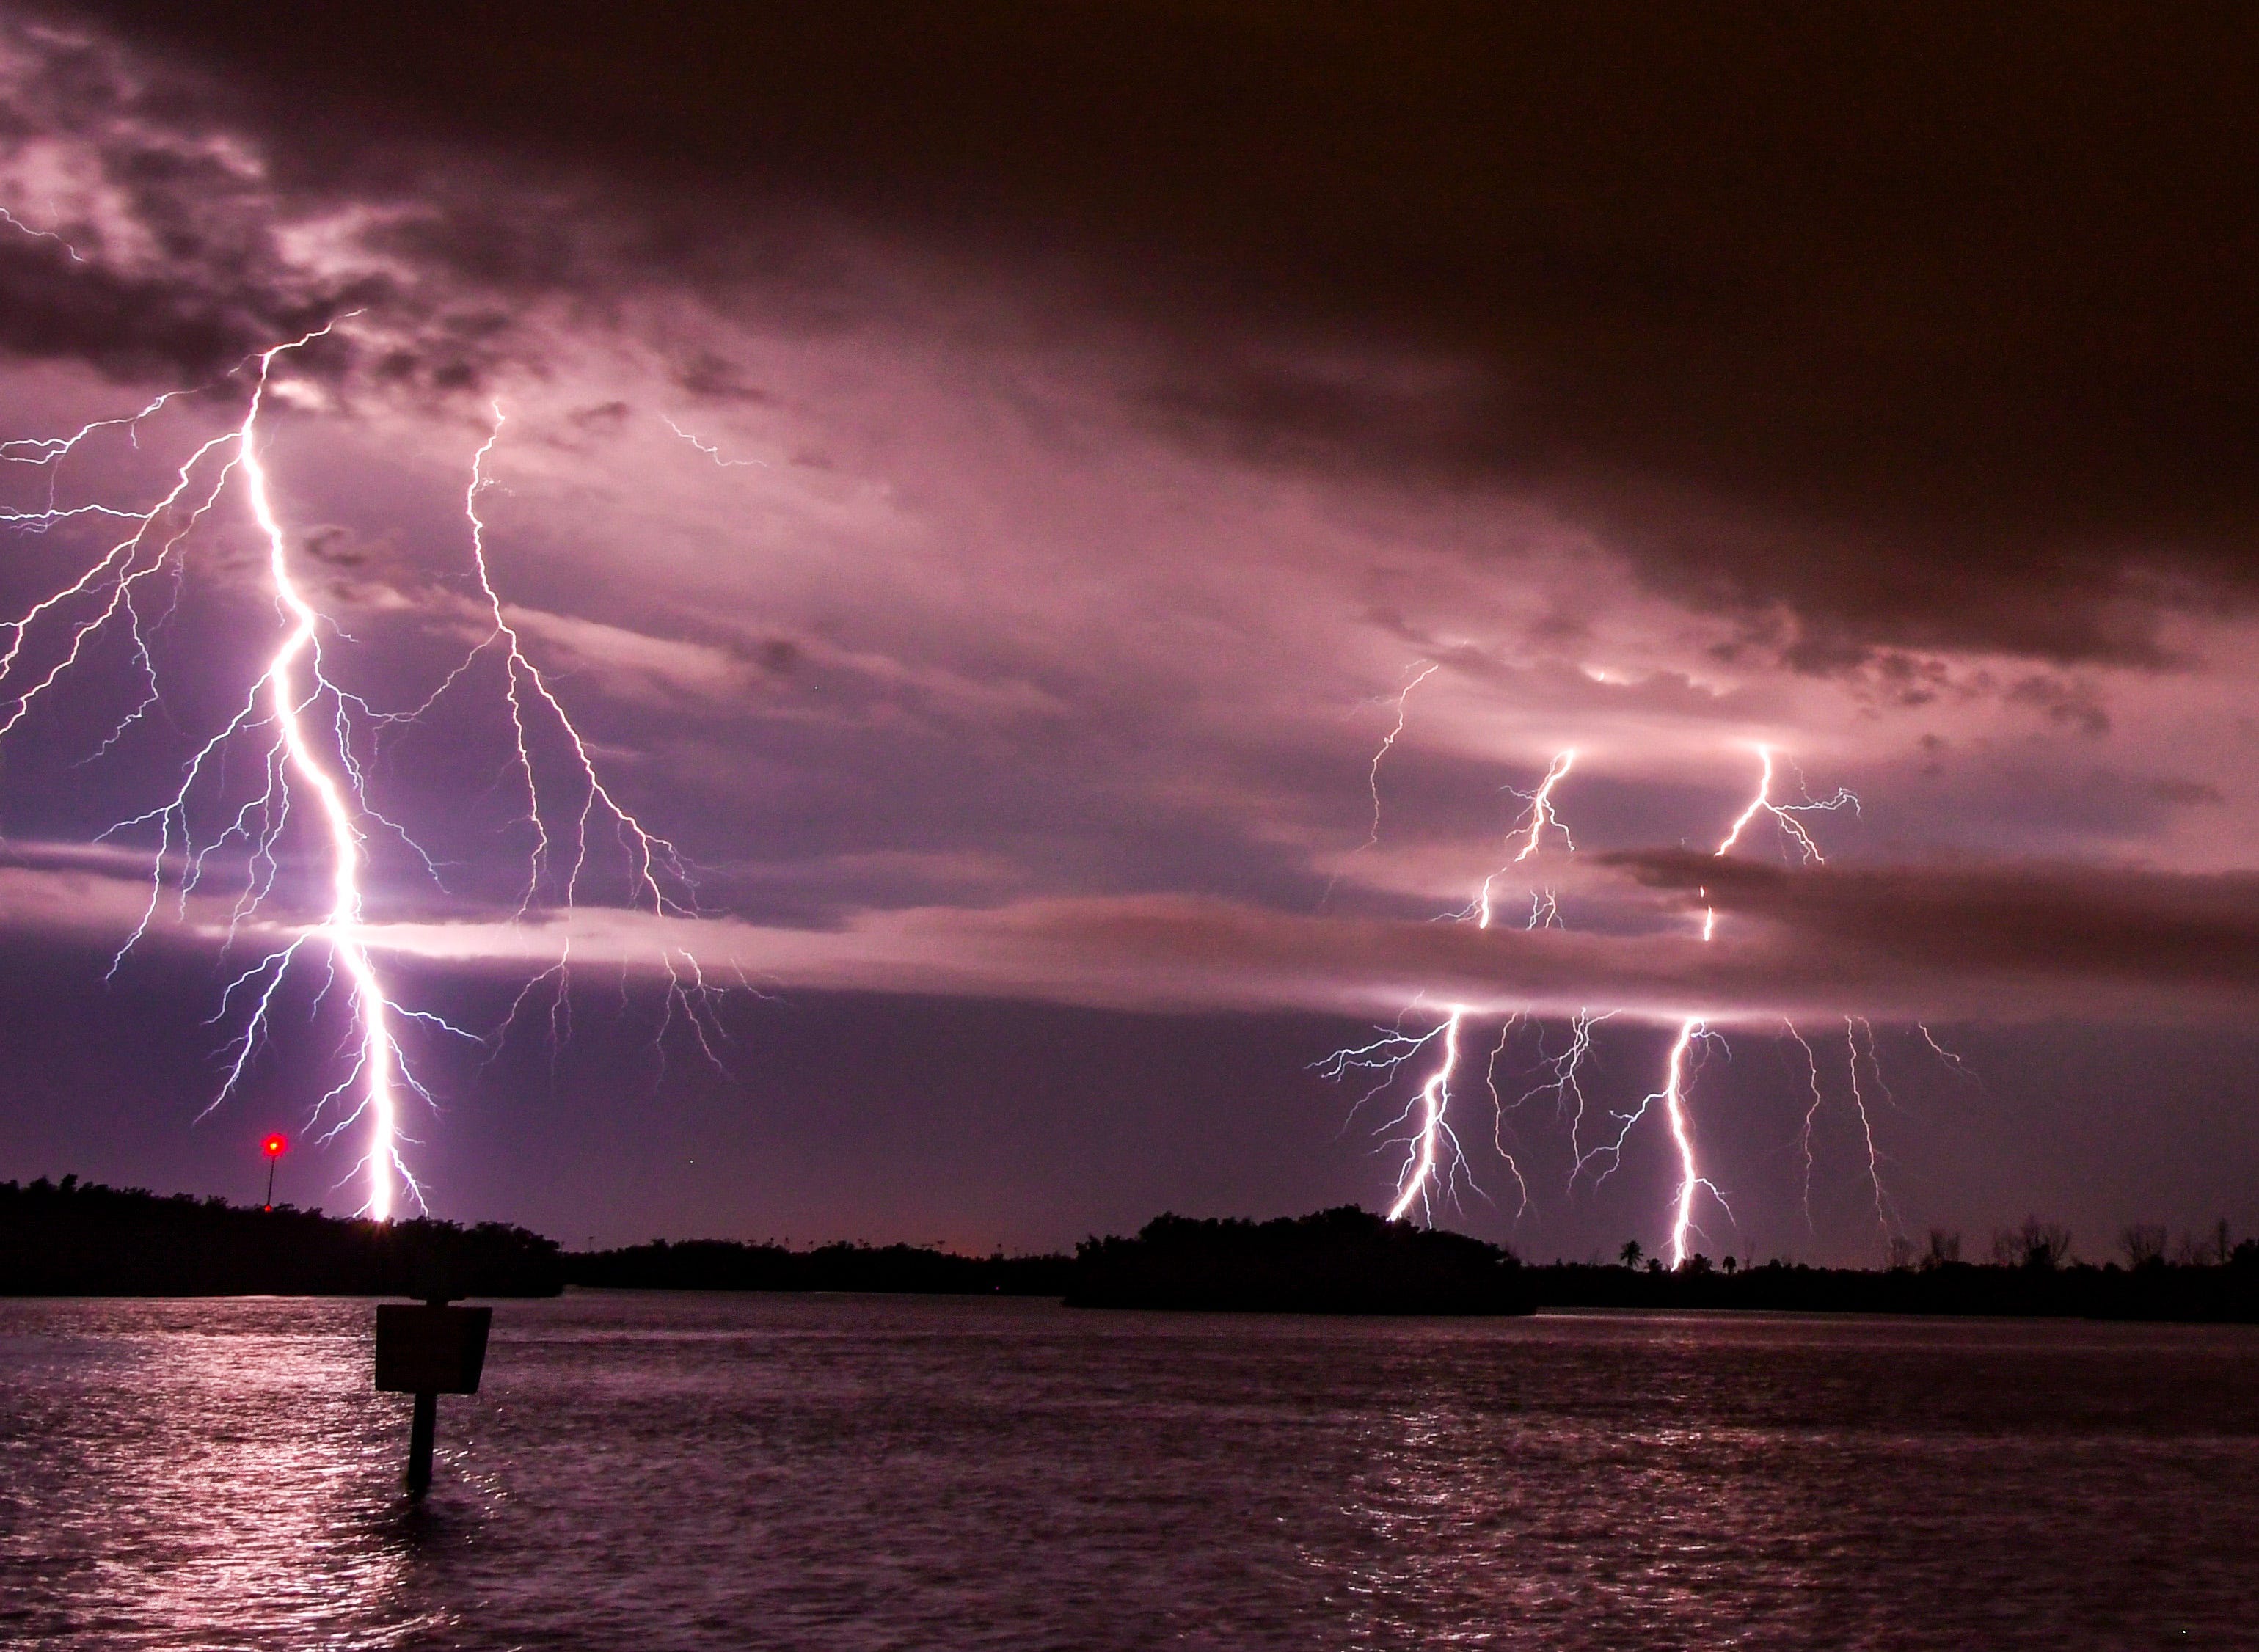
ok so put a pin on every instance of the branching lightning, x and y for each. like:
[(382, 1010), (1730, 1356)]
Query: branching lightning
[(1678, 1069), (1434, 1160), (309, 742)]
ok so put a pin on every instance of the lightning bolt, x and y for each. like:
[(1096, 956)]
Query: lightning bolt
[(1785, 815), (1541, 808), (16, 223), (1811, 1113), (1852, 1027), (659, 881), (311, 742), (1435, 1130), (1676, 1082), (283, 700), (1433, 1149), (1678, 1068), (709, 449), (1388, 744)]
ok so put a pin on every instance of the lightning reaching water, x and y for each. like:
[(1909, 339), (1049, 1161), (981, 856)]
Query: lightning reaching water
[(309, 742)]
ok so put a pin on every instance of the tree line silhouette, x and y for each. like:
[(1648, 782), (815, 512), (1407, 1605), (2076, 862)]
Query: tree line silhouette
[(74, 1238), (2031, 1271), (723, 1264), (70, 1238), (1342, 1261)]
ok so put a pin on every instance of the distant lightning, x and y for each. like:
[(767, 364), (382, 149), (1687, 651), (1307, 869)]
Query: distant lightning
[(659, 881), (379, 1068), (1433, 1148), (1952, 1063), (1435, 1130), (1677, 1076), (1676, 1082), (1851, 1028), (1388, 744), (1811, 1113), (1541, 808), (15, 223), (291, 687), (1542, 910), (709, 449), (1785, 815), (1433, 1161)]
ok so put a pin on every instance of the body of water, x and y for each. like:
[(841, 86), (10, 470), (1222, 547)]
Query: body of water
[(678, 1472)]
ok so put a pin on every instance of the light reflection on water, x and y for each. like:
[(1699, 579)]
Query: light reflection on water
[(847, 1472)]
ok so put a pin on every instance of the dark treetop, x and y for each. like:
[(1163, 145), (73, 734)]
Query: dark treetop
[(67, 1238), (720, 1264), (71, 1240), (1341, 1261)]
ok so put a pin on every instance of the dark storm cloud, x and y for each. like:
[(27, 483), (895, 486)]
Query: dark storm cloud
[(2009, 944), (185, 276), (163, 233), (2167, 935), (1872, 324), (2100, 945)]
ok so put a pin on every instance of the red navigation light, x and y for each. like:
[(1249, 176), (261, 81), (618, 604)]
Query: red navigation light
[(273, 1145)]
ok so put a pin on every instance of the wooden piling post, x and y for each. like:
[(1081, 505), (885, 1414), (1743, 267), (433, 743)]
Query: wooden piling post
[(420, 1433)]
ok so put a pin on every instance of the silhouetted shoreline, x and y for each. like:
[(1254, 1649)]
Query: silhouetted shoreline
[(721, 1264), (2159, 1291), (73, 1239), (1340, 1261)]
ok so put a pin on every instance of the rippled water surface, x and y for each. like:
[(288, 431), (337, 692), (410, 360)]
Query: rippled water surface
[(691, 1471)]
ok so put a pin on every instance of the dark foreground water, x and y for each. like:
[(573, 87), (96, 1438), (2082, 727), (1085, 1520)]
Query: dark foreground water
[(677, 1473)]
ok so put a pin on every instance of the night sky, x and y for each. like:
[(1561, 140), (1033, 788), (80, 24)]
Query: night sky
[(985, 480)]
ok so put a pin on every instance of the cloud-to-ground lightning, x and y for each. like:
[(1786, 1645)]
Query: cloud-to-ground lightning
[(1853, 1026), (1434, 1160), (1433, 1154), (288, 693), (306, 742), (1678, 1075), (1677, 1067), (658, 881), (1680, 1060)]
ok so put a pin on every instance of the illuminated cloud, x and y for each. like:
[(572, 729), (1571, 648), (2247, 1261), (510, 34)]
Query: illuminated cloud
[(1084, 464)]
